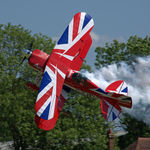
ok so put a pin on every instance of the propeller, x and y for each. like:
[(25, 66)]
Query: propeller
[(27, 53)]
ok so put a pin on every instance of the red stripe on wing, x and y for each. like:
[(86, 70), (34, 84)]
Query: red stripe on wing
[(42, 100), (76, 25)]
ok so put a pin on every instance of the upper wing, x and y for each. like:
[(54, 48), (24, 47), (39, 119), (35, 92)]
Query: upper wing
[(49, 124), (76, 40), (63, 55), (49, 92)]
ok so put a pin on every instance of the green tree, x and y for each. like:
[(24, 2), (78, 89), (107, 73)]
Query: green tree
[(127, 52), (117, 52), (16, 101), (80, 125), (135, 129)]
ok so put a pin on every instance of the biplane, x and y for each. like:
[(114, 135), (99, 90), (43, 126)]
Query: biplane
[(61, 73)]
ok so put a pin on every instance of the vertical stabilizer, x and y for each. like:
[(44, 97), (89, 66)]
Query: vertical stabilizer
[(112, 109)]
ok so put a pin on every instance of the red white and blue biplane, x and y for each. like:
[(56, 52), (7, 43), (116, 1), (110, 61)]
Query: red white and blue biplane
[(61, 74)]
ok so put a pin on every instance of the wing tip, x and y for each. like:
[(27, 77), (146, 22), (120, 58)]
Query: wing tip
[(45, 124)]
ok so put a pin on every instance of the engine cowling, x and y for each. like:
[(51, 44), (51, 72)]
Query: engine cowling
[(38, 59)]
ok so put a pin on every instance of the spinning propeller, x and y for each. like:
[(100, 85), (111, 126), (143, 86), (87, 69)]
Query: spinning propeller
[(27, 53)]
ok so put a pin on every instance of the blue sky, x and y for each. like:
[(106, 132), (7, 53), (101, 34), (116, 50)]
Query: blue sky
[(113, 19)]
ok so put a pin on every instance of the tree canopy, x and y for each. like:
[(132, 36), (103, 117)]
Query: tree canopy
[(135, 129), (80, 125), (115, 53)]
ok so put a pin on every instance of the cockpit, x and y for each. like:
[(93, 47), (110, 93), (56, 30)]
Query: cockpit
[(79, 78)]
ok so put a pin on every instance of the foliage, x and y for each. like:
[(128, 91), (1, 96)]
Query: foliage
[(80, 126), (135, 129), (76, 128), (16, 102), (127, 52), (117, 52)]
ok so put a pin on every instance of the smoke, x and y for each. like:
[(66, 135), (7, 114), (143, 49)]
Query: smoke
[(137, 79)]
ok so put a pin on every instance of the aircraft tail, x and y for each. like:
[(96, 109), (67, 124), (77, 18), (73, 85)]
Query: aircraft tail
[(117, 96)]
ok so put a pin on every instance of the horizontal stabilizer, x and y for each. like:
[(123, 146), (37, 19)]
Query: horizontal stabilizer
[(110, 112), (117, 96)]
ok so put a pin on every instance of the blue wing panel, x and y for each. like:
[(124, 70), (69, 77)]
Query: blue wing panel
[(45, 81), (46, 112), (86, 20), (64, 37)]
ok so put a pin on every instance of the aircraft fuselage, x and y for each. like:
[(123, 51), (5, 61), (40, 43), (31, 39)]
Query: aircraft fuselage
[(74, 79)]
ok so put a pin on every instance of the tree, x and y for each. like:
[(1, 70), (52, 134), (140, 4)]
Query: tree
[(127, 52), (135, 129), (16, 101), (117, 52), (80, 125)]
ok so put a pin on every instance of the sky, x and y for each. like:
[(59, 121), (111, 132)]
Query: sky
[(113, 19)]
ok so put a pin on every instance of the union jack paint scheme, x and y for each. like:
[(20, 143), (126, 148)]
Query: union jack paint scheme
[(61, 74), (111, 110)]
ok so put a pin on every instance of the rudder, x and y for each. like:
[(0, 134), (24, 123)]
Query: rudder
[(111, 109)]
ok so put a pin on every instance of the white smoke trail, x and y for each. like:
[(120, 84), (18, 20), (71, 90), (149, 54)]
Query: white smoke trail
[(138, 81)]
